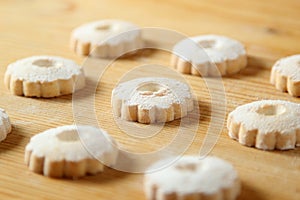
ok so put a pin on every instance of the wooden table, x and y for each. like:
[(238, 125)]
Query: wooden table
[(270, 29)]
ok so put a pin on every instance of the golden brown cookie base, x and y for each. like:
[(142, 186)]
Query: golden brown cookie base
[(265, 141), (105, 50), (225, 194), (224, 68), (155, 115), (5, 126), (62, 168), (41, 89), (285, 84)]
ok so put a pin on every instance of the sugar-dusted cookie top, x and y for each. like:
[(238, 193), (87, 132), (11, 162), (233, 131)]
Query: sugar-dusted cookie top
[(209, 55), (5, 125), (266, 124), (44, 76), (152, 99), (192, 177), (70, 151), (106, 38), (285, 75)]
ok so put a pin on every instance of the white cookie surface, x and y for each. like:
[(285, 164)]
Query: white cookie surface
[(152, 99), (227, 54), (266, 124), (195, 178), (66, 152), (5, 125), (44, 76), (285, 75), (106, 38)]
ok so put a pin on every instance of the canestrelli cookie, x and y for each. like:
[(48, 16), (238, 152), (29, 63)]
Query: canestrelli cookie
[(5, 126), (151, 100), (266, 124), (227, 54), (70, 151), (106, 38), (44, 76), (193, 178), (285, 75)]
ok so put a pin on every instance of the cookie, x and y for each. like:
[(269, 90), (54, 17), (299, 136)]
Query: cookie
[(193, 178), (266, 124), (44, 76), (66, 152), (152, 100), (285, 75), (5, 126), (227, 54), (106, 38)]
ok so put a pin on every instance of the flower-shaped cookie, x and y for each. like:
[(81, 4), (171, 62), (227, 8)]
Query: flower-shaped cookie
[(193, 178), (227, 54), (285, 75), (44, 76), (151, 100), (70, 151), (5, 126), (106, 38), (266, 124)]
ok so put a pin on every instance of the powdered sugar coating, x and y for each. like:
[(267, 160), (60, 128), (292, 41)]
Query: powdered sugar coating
[(91, 33), (289, 67), (48, 144), (152, 95), (106, 38), (191, 175), (285, 75), (44, 76), (283, 123), (266, 124), (70, 151), (222, 48), (228, 54), (61, 68), (5, 125)]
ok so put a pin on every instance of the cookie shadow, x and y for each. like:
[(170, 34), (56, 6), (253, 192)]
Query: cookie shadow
[(253, 68), (12, 140), (204, 111), (88, 91), (108, 175), (246, 72), (294, 153), (193, 117), (139, 55), (249, 193)]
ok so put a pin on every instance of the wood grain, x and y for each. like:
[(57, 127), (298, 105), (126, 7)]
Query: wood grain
[(270, 30)]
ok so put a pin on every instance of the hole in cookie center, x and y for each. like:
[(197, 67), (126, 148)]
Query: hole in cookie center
[(43, 63), (152, 89), (271, 110), (68, 136), (187, 167), (207, 44), (103, 27)]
